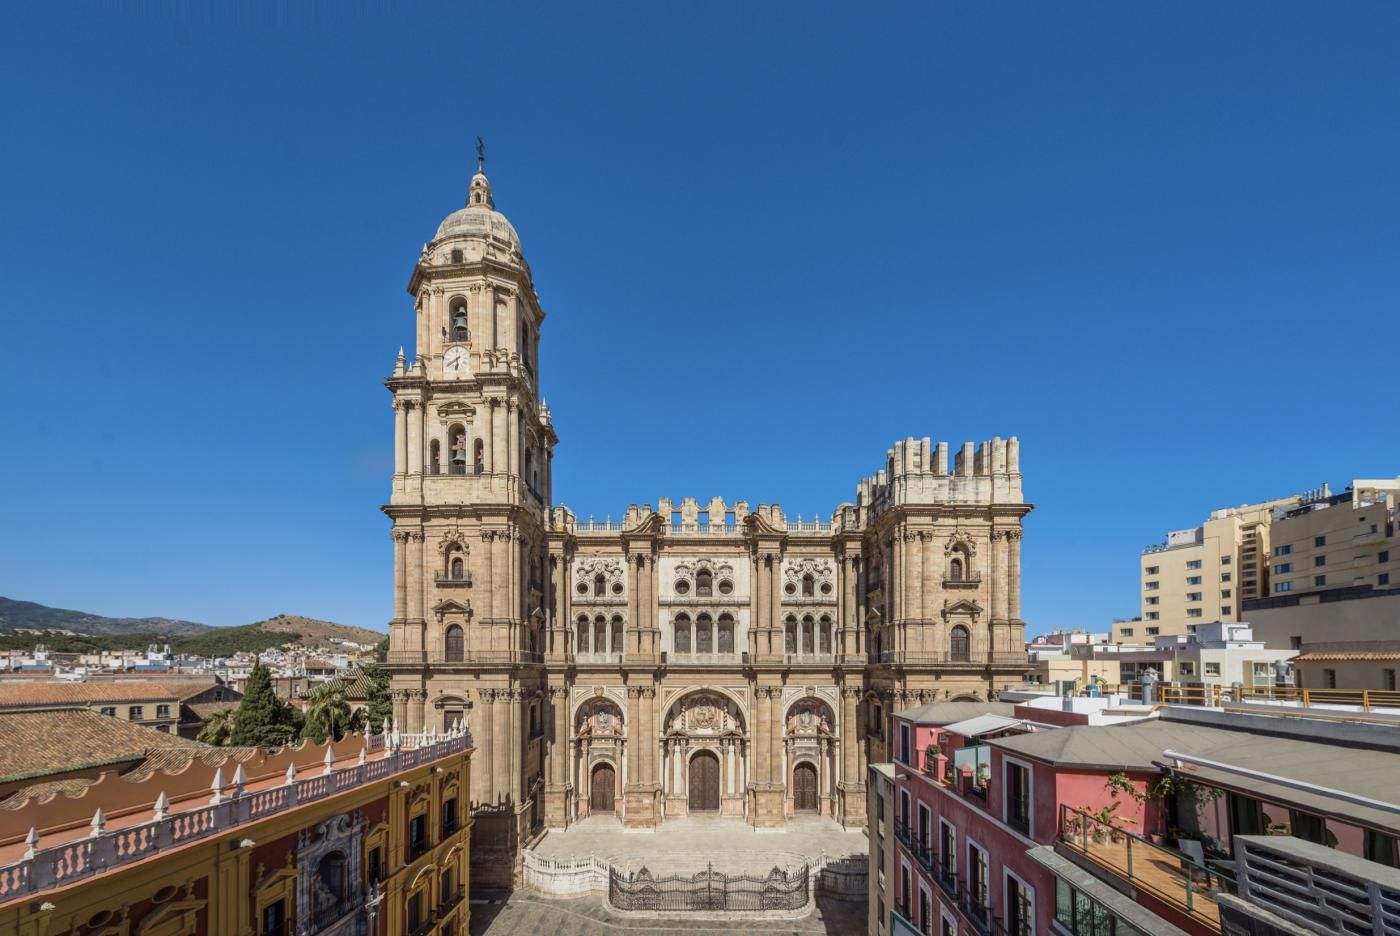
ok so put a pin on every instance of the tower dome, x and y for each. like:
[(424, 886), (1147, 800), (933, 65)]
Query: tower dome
[(477, 221)]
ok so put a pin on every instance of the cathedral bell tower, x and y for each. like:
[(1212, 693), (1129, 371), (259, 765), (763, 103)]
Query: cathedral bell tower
[(473, 446)]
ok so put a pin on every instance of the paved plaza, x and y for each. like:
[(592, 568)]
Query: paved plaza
[(525, 914), (688, 844)]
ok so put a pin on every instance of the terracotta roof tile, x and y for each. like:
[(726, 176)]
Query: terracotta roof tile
[(35, 744), (23, 693), (1343, 656)]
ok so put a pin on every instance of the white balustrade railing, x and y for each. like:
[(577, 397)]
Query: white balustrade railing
[(229, 807)]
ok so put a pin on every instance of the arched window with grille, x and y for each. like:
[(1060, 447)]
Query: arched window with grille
[(704, 634), (457, 448), (704, 583), (600, 585), (825, 634), (790, 635), (617, 633), (726, 633), (455, 645), (955, 569), (683, 633), (600, 634), (958, 644), (808, 635), (809, 586), (582, 628), (457, 569)]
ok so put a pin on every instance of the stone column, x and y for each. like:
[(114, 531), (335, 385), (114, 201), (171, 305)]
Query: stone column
[(400, 438), (500, 457), (416, 700), (500, 575), (998, 544), (1013, 575), (436, 317), (500, 744), (415, 439), (929, 584), (514, 463), (775, 590), (400, 575), (758, 602), (415, 578)]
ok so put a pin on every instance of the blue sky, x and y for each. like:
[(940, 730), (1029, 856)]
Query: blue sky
[(1157, 242)]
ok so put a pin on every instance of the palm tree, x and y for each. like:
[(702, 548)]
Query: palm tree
[(217, 728), (327, 713)]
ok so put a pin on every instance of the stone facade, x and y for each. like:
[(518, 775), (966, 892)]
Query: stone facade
[(689, 657)]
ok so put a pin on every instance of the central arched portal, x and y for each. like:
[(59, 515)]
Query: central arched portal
[(604, 783), (804, 788), (704, 782)]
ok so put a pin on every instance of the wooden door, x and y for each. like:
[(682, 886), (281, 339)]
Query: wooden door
[(704, 782), (804, 787), (600, 799)]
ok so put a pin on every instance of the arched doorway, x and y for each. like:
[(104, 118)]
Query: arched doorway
[(804, 788), (704, 782), (602, 790)]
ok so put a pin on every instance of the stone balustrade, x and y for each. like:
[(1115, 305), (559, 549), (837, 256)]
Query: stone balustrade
[(230, 805)]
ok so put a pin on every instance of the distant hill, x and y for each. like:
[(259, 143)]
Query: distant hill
[(25, 623), (28, 615)]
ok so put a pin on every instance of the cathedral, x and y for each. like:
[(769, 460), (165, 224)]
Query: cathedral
[(695, 657)]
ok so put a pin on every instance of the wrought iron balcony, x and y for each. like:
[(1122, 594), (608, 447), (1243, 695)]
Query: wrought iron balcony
[(461, 581)]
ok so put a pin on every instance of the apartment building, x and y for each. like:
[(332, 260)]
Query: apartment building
[(1203, 573), (1177, 822), (1348, 540)]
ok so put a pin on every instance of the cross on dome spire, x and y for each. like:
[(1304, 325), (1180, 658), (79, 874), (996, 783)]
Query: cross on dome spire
[(479, 195)]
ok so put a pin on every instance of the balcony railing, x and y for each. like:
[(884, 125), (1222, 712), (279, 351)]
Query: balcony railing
[(605, 657), (450, 901), (1317, 887), (813, 658), (463, 580), (465, 657), (454, 468), (967, 578), (43, 868), (1168, 875), (728, 658)]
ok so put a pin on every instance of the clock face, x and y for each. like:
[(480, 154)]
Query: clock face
[(454, 361)]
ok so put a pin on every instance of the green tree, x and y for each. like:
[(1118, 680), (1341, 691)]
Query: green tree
[(327, 713), (381, 650), (217, 728), (262, 718), (381, 706)]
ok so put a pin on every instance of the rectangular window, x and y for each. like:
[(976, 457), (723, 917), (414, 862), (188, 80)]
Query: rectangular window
[(1224, 593), (1193, 612), (1283, 550), (1018, 797), (1249, 567), (1329, 679), (1383, 556), (1224, 560), (1383, 578), (1280, 587), (1154, 615), (376, 865), (449, 817), (1224, 576), (1319, 541), (162, 711), (417, 835), (1193, 580), (136, 712), (1226, 609), (978, 896), (1389, 680), (1126, 631), (1193, 596), (904, 744), (1319, 581), (1154, 600), (1153, 631), (1212, 669), (1319, 561), (274, 919), (1151, 586), (415, 912), (109, 710), (1020, 908), (1381, 849), (1261, 671), (1194, 564), (948, 856), (1283, 568), (1151, 570), (1187, 668)]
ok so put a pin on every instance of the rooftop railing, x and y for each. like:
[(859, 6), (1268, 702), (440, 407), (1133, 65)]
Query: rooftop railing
[(1318, 887), (1167, 875)]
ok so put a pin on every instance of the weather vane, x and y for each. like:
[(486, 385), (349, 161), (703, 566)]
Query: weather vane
[(480, 155)]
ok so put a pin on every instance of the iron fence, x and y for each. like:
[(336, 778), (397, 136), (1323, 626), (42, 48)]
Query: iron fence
[(709, 890)]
